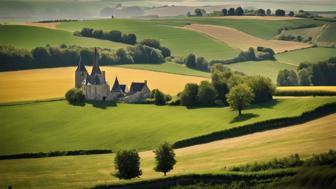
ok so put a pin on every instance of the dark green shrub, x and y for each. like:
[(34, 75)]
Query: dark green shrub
[(75, 96), (206, 94), (127, 164), (189, 95)]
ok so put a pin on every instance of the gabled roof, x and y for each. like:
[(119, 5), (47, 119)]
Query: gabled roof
[(123, 88), (136, 86), (81, 66), (95, 68), (116, 85)]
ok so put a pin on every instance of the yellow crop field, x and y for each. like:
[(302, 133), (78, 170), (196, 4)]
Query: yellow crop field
[(42, 84), (308, 88)]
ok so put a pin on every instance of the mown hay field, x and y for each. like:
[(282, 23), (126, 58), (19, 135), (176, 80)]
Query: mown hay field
[(85, 171), (308, 88), (238, 39), (40, 84)]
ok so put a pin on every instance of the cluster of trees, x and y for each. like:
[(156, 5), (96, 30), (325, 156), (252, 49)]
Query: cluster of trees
[(259, 12), (298, 38), (317, 74), (197, 12), (227, 87), (158, 98), (46, 57), (199, 63), (261, 53), (114, 35), (127, 162)]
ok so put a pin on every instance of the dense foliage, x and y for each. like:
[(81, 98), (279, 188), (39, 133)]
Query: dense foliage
[(158, 97), (165, 158), (75, 96), (317, 74), (156, 45), (240, 97), (113, 35), (53, 56), (189, 95), (127, 164)]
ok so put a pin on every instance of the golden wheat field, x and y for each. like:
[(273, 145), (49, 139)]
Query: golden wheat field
[(41, 84), (308, 88)]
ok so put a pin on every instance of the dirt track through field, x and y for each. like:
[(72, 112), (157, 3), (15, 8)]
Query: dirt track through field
[(243, 41), (52, 25), (41, 84), (315, 136)]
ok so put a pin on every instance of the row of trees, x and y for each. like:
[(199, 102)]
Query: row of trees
[(261, 53), (227, 87), (114, 35), (127, 162), (47, 57), (239, 11), (317, 74)]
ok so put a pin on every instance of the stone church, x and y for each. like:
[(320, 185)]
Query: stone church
[(95, 86)]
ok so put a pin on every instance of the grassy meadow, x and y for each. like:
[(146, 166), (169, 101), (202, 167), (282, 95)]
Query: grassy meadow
[(65, 127), (180, 41), (312, 55), (84, 171), (29, 37)]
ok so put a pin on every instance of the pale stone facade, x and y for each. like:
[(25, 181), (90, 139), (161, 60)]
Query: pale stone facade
[(95, 87)]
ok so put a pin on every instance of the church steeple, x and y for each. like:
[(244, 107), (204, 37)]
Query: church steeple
[(81, 66), (116, 86), (95, 68)]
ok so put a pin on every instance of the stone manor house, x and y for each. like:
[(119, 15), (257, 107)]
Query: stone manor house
[(95, 87)]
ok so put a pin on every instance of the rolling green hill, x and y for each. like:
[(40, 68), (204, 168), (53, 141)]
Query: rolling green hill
[(180, 41), (265, 29), (30, 37), (312, 55), (52, 126)]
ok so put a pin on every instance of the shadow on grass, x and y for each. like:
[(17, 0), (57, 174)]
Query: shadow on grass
[(102, 104), (244, 117), (269, 104)]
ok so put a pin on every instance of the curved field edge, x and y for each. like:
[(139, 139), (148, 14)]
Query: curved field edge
[(64, 127), (316, 136), (259, 126)]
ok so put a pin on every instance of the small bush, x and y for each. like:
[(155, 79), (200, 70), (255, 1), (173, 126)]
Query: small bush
[(75, 96), (127, 164)]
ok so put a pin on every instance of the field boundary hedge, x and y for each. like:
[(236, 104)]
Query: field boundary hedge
[(54, 154), (167, 182), (259, 126), (305, 93)]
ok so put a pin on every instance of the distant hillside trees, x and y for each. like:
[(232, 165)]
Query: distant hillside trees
[(268, 12), (156, 45), (231, 12), (48, 57), (291, 13), (113, 35), (317, 74), (127, 164), (239, 11), (200, 12), (165, 158), (260, 12), (224, 12), (280, 12)]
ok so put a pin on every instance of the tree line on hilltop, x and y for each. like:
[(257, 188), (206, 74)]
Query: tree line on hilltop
[(147, 51), (239, 11)]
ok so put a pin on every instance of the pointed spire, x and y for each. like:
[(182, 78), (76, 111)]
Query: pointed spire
[(81, 66), (95, 68), (116, 85)]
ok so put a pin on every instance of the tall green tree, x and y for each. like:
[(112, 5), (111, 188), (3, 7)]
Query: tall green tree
[(189, 95), (127, 164), (239, 11), (190, 61), (240, 97), (287, 78), (165, 158), (206, 94), (262, 88)]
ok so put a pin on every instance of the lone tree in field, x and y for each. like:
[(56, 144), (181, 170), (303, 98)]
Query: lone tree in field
[(165, 158), (240, 97), (127, 164)]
